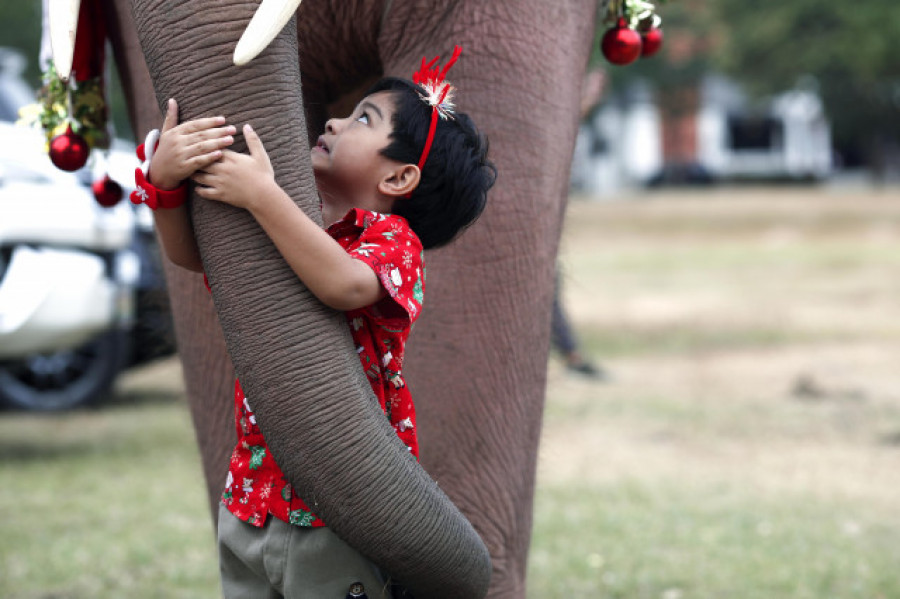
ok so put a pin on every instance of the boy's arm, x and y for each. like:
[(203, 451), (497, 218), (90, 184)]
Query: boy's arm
[(330, 273), (173, 227)]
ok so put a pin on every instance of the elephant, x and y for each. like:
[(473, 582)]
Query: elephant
[(477, 367)]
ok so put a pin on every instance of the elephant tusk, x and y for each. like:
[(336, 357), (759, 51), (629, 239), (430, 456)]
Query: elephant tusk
[(269, 19), (63, 19)]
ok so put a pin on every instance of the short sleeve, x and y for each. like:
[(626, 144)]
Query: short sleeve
[(394, 253)]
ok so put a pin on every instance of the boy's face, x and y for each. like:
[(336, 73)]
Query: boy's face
[(346, 160)]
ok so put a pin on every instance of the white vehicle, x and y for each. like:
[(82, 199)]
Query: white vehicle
[(71, 275)]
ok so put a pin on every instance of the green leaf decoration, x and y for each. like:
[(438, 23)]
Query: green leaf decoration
[(302, 518), (256, 457)]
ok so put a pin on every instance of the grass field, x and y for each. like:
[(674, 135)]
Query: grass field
[(747, 444)]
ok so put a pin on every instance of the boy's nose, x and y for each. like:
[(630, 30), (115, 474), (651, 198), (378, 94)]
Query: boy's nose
[(332, 125)]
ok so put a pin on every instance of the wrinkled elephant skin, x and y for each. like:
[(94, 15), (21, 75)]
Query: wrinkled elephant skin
[(477, 363)]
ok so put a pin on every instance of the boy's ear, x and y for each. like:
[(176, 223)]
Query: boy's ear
[(401, 181)]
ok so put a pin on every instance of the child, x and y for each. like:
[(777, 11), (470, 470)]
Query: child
[(401, 174)]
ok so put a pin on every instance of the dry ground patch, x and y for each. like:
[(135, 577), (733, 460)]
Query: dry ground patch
[(748, 441)]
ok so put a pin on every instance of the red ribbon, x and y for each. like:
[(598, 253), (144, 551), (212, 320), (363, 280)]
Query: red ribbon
[(90, 41)]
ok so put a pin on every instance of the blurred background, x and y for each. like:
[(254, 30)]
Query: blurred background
[(82, 296), (798, 91), (723, 402)]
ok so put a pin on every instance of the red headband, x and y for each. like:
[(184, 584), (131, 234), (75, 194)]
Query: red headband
[(438, 95)]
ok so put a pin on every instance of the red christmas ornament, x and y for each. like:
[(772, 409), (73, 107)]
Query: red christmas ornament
[(652, 41), (69, 151), (107, 192), (621, 45)]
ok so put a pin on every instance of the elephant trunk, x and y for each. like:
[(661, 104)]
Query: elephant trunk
[(293, 355)]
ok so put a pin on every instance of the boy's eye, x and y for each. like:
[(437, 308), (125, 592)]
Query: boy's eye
[(363, 118)]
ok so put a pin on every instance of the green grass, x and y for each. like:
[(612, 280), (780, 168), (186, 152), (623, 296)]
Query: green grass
[(106, 503), (745, 447), (667, 540), (109, 503)]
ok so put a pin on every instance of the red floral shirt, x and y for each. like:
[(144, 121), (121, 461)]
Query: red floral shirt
[(256, 486)]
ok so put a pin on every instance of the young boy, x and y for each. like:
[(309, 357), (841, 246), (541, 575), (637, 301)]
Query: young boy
[(401, 174)]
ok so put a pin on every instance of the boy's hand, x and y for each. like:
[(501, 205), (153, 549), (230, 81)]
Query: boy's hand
[(183, 149), (237, 179)]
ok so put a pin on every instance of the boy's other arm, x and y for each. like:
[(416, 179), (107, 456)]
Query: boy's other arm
[(330, 273), (176, 234)]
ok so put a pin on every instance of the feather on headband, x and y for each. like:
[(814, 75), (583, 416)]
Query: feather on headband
[(438, 93)]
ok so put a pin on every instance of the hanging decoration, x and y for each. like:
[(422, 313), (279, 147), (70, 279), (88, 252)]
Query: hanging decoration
[(621, 44), (651, 41), (68, 150), (73, 113), (635, 31), (107, 192)]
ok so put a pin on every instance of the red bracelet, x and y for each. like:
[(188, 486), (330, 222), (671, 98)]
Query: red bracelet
[(145, 192), (155, 198)]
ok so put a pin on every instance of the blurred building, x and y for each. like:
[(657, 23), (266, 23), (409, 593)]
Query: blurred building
[(700, 134)]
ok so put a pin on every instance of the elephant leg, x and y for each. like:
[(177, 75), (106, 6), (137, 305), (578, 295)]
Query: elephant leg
[(207, 369), (208, 376), (478, 369)]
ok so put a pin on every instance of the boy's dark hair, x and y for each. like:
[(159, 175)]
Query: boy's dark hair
[(455, 179)]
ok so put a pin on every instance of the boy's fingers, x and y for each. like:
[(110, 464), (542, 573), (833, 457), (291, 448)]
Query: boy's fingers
[(203, 123), (204, 192), (214, 133), (208, 144), (171, 115), (254, 143), (212, 139), (207, 160)]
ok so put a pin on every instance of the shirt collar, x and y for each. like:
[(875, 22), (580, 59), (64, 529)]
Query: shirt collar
[(356, 218)]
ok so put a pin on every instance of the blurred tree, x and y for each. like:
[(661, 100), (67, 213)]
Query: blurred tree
[(849, 50), (20, 28)]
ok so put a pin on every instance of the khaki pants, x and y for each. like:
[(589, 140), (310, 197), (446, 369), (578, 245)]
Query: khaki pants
[(283, 560)]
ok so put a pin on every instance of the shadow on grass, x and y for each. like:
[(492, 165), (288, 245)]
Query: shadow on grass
[(148, 397), (109, 400), (41, 451), (891, 439)]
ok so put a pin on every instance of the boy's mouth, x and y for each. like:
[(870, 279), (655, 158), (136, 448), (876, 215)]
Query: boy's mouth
[(320, 144)]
